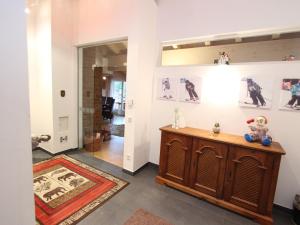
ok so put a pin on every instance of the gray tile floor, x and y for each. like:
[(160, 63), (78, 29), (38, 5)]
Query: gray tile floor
[(170, 204)]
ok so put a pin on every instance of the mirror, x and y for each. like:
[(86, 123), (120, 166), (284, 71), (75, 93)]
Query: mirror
[(238, 49)]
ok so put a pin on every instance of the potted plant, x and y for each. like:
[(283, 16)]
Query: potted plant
[(216, 129)]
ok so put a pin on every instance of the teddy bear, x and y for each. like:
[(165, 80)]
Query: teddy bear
[(259, 131)]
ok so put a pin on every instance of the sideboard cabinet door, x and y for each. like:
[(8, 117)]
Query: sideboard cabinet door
[(175, 157), (248, 178), (208, 167)]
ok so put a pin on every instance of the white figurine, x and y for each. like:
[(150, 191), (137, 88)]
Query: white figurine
[(223, 59)]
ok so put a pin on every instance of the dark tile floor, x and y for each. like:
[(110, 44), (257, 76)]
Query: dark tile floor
[(170, 204)]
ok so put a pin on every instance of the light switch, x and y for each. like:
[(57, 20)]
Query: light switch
[(130, 103)]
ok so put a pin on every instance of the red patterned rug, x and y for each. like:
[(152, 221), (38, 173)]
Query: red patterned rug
[(67, 190), (142, 217)]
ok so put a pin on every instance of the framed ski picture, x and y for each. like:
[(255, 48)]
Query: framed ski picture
[(290, 94), (189, 89), (256, 92), (167, 88)]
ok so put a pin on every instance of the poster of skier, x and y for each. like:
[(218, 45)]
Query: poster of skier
[(290, 94), (190, 89), (167, 88), (256, 92)]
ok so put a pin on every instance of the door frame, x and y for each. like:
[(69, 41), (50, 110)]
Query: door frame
[(79, 61)]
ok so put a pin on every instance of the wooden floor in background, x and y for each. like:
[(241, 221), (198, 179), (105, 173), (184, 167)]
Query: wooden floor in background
[(111, 151)]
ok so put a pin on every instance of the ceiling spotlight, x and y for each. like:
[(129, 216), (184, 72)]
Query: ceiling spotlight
[(27, 10), (175, 46), (275, 36), (104, 77), (238, 39), (207, 43)]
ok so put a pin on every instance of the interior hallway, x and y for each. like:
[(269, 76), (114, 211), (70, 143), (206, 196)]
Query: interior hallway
[(112, 150), (142, 192)]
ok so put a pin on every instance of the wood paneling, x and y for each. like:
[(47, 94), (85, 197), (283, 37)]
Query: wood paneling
[(175, 157), (248, 174), (208, 167)]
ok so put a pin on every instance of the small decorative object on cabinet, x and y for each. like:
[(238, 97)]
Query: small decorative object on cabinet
[(176, 119), (259, 131), (179, 121), (225, 170), (216, 129)]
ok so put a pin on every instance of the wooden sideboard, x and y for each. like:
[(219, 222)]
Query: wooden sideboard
[(222, 168)]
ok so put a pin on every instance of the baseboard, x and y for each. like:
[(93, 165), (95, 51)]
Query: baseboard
[(135, 172), (66, 151), (128, 172), (148, 164), (55, 154), (156, 166), (43, 150), (283, 209)]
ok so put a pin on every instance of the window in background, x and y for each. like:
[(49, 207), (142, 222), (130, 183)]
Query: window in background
[(118, 92)]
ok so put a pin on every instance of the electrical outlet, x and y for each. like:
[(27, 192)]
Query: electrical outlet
[(63, 139), (128, 157)]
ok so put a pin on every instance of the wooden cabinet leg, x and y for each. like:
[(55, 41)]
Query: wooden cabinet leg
[(263, 221), (158, 180)]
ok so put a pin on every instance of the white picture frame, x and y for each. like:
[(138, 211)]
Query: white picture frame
[(290, 94), (167, 88), (189, 89), (256, 92)]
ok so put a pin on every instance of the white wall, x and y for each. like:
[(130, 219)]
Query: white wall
[(40, 70), (52, 68), (100, 21), (141, 82), (16, 192), (194, 18), (64, 73)]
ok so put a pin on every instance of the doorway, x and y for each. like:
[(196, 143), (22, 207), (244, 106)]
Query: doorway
[(102, 97)]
